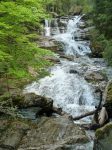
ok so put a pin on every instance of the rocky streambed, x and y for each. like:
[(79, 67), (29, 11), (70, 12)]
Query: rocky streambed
[(73, 85)]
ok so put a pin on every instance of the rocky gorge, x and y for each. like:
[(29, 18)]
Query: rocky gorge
[(73, 85)]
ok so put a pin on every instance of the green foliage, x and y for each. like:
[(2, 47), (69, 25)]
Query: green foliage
[(102, 19), (17, 49), (63, 6)]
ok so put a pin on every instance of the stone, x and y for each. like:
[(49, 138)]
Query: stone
[(54, 134), (103, 138), (96, 50), (96, 77), (69, 57), (75, 10), (49, 44), (53, 60), (13, 135), (73, 72), (108, 102), (32, 100)]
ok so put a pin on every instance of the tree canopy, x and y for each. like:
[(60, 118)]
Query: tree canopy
[(102, 18), (17, 51)]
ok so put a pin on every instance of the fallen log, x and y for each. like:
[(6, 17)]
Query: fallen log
[(57, 110), (85, 115)]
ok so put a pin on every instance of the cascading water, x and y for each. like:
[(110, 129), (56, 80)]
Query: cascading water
[(47, 27), (67, 86), (69, 91)]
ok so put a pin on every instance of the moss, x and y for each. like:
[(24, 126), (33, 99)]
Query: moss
[(95, 45), (18, 100), (89, 81), (109, 94), (99, 134), (104, 131)]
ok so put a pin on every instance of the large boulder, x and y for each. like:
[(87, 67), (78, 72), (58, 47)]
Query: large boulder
[(96, 77), (49, 44), (54, 134), (108, 101), (96, 50), (32, 100), (103, 138), (75, 10), (44, 133), (13, 135)]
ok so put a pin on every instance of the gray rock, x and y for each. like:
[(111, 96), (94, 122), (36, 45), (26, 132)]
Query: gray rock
[(54, 134), (96, 76), (13, 135), (72, 71), (103, 138), (49, 44), (75, 10), (32, 100)]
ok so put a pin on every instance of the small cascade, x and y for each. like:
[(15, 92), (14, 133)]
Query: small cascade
[(47, 27), (71, 46)]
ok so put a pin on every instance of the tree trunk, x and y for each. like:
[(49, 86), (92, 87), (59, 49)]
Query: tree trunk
[(84, 115)]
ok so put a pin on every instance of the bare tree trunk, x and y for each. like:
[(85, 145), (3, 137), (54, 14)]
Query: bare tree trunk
[(84, 115)]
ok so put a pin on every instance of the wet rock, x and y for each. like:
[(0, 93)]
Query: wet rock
[(69, 57), (103, 138), (73, 72), (54, 134), (53, 60), (32, 100), (13, 135), (96, 50), (96, 77), (75, 10), (82, 25), (49, 44)]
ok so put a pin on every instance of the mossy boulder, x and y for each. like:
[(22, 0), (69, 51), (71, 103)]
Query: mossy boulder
[(96, 50), (108, 102), (96, 77), (103, 138), (13, 135), (44, 133), (54, 133), (32, 100), (75, 10)]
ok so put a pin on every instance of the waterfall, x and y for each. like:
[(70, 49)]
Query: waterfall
[(69, 91), (47, 27), (70, 46)]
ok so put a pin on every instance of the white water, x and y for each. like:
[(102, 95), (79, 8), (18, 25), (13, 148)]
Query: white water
[(69, 91)]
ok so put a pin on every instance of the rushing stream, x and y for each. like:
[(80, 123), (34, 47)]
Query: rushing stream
[(67, 85)]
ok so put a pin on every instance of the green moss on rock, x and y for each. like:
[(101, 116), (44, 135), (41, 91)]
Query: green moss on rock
[(104, 131)]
